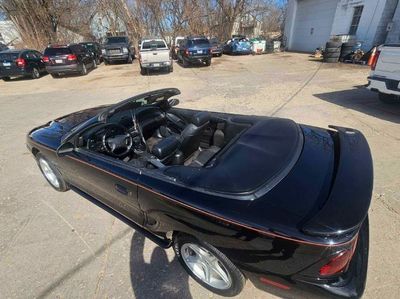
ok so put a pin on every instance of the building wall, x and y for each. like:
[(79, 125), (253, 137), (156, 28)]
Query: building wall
[(372, 29), (394, 34), (369, 22)]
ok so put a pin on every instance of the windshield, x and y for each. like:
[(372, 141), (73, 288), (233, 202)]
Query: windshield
[(89, 46), (199, 42), (154, 44), (9, 56), (57, 51), (214, 41), (116, 40)]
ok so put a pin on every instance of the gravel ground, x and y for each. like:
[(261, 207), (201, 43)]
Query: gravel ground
[(60, 245)]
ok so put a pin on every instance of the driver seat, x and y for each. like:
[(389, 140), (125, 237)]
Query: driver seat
[(191, 136)]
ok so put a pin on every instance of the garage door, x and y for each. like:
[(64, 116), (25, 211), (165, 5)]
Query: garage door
[(313, 24)]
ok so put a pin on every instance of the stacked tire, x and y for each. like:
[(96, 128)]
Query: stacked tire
[(347, 50), (332, 52)]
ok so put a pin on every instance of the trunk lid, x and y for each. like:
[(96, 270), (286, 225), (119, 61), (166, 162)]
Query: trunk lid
[(350, 193), (8, 63)]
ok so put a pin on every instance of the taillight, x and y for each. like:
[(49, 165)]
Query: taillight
[(375, 60), (187, 52), (71, 57), (46, 59), (339, 262), (20, 62)]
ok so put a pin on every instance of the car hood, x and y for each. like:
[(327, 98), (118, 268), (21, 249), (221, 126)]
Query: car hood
[(52, 133)]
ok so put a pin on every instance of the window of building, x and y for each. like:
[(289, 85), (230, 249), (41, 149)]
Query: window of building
[(356, 19)]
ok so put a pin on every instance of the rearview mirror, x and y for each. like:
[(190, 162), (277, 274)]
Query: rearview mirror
[(64, 149), (173, 102)]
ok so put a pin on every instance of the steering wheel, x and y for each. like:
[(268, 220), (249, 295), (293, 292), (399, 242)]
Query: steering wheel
[(117, 141)]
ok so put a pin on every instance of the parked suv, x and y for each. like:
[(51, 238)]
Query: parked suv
[(21, 63), (65, 59), (95, 49), (194, 49), (118, 48)]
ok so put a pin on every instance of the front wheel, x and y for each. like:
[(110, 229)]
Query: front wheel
[(208, 266), (51, 174)]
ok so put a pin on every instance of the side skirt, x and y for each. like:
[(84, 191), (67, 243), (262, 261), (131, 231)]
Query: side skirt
[(164, 243)]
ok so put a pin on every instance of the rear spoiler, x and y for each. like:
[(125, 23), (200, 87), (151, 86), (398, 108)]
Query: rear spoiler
[(351, 190)]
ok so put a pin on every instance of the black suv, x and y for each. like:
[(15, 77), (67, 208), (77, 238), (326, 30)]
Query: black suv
[(118, 48), (194, 49), (95, 49), (65, 59), (21, 63)]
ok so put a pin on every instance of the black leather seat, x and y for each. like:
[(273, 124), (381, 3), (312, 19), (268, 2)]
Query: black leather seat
[(191, 135)]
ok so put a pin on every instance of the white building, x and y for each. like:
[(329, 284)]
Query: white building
[(311, 23)]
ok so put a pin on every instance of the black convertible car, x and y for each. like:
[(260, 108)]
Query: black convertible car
[(238, 197)]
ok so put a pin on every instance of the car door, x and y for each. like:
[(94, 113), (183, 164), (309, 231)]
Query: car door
[(107, 179)]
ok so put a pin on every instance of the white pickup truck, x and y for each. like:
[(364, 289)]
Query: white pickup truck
[(154, 55), (385, 73)]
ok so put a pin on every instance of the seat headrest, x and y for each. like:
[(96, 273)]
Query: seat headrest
[(165, 147), (201, 118)]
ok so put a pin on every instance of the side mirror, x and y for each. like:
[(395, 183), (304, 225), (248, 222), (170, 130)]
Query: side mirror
[(64, 149), (173, 102)]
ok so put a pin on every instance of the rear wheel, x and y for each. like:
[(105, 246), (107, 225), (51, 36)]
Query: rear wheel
[(185, 62), (94, 64), (208, 266), (54, 75), (106, 62), (83, 70), (208, 62), (142, 71), (35, 73), (51, 174), (6, 78), (130, 60), (389, 98)]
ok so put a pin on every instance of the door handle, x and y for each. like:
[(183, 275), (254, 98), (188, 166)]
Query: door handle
[(121, 189)]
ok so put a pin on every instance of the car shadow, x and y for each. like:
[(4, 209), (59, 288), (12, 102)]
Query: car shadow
[(192, 64), (27, 78), (155, 72), (363, 100), (159, 278)]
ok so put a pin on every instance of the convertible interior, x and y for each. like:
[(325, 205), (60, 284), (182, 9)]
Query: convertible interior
[(155, 135), (207, 150)]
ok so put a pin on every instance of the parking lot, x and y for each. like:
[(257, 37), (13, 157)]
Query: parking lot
[(60, 245)]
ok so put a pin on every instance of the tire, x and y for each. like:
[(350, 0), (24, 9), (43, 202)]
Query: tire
[(332, 55), (332, 50), (208, 62), (185, 62), (98, 61), (130, 60), (6, 78), (84, 70), (199, 258), (106, 62), (331, 60), (333, 44), (35, 73), (94, 64), (55, 75), (142, 71), (51, 174), (389, 98), (171, 69)]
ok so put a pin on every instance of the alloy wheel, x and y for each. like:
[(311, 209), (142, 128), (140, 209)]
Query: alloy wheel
[(49, 173), (206, 266), (35, 73)]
